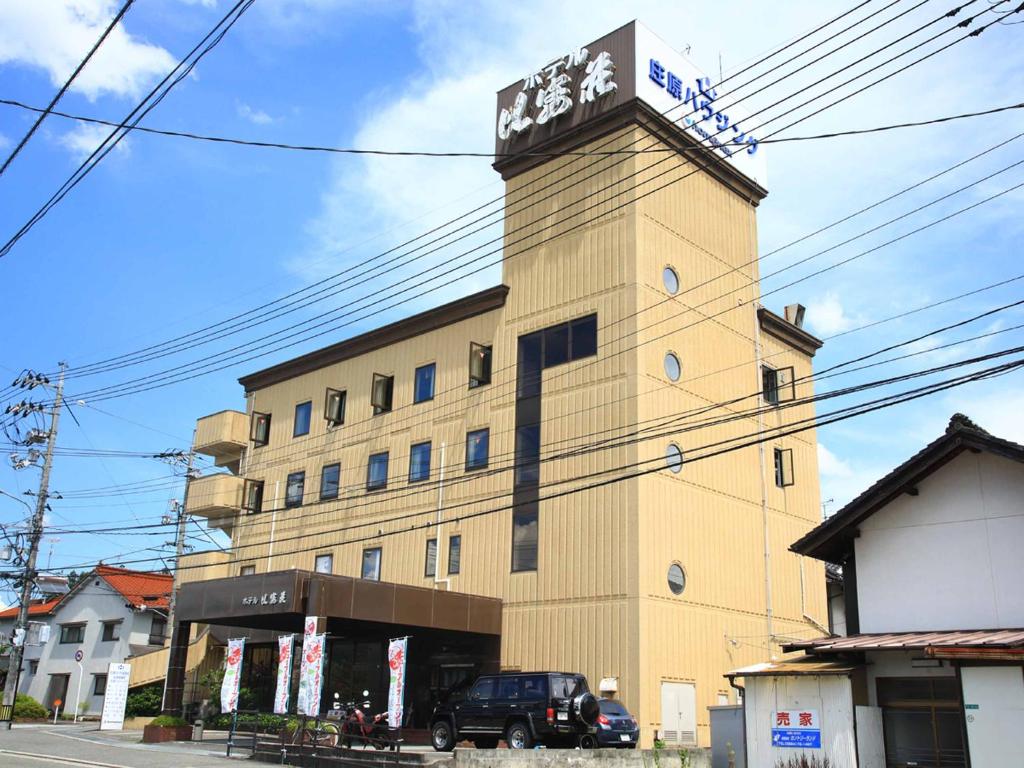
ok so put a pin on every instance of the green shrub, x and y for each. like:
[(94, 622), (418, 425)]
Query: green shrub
[(144, 702), (168, 721), (263, 722), (27, 708)]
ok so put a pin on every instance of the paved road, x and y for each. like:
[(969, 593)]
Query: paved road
[(38, 746)]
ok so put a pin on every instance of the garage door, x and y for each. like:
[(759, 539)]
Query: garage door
[(679, 713)]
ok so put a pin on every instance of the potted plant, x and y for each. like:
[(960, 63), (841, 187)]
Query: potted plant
[(166, 728)]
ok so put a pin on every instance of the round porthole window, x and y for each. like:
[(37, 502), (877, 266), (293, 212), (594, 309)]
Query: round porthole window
[(671, 280), (676, 579), (674, 458), (673, 369)]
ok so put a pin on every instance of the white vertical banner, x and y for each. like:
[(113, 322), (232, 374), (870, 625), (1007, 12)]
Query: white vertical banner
[(396, 689), (232, 676), (285, 649), (309, 627), (116, 697), (311, 671)]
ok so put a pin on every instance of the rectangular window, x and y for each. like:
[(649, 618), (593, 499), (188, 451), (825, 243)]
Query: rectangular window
[(158, 630), (252, 497), (381, 393), (259, 432), (33, 667), (477, 448), (295, 489), (524, 538), (324, 563), (377, 471), (247, 570), (530, 365), (334, 406), (777, 385), (527, 455), (99, 685), (330, 479), (454, 554), (556, 345), (430, 568), (584, 337), (111, 631), (423, 388), (783, 467), (72, 633), (479, 365), (371, 564), (303, 415), (419, 462)]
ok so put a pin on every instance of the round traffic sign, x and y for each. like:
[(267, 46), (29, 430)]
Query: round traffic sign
[(79, 655)]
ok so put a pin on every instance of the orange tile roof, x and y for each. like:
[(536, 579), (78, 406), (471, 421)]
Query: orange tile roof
[(36, 608), (139, 587)]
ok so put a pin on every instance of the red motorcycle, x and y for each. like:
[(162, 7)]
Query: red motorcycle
[(359, 726)]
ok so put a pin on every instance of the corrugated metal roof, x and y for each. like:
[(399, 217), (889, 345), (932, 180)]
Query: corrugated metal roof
[(895, 641), (803, 666)]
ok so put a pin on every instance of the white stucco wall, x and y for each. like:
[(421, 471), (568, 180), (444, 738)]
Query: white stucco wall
[(995, 715), (953, 551), (830, 695)]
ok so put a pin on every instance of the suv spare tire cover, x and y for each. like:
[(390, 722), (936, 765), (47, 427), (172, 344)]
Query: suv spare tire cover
[(586, 708)]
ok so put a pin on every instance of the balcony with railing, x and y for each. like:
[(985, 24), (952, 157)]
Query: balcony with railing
[(224, 436), (218, 498)]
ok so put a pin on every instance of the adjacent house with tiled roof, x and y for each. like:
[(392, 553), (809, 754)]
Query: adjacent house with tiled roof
[(929, 669), (110, 615)]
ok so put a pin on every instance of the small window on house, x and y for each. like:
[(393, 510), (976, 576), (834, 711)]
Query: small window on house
[(673, 368), (423, 383), (477, 448), (671, 280), (330, 479), (252, 497), (33, 666), (674, 458), (99, 685), (111, 631), (777, 385), (334, 407), (676, 579), (382, 393), (419, 462), (371, 564), (303, 415), (479, 365), (430, 566), (158, 630), (72, 633), (454, 554), (377, 471), (295, 489), (783, 467), (247, 570), (259, 432), (324, 563)]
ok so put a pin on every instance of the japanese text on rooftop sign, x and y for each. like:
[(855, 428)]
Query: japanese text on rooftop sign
[(549, 93), (796, 728)]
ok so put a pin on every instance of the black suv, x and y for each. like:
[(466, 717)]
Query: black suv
[(555, 709)]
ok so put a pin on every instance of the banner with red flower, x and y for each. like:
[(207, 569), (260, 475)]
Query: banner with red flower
[(285, 646), (232, 675), (396, 689), (311, 673)]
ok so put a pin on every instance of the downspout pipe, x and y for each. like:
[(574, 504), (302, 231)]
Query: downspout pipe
[(440, 510)]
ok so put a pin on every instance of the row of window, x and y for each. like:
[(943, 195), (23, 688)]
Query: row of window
[(377, 471), (99, 682), (71, 634), (783, 462), (382, 391)]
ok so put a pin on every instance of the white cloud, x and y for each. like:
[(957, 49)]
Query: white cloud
[(83, 139), (57, 34), (4, 142), (827, 316), (999, 410), (256, 116), (830, 465)]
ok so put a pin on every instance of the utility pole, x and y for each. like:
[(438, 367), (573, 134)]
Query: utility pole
[(181, 518), (35, 534)]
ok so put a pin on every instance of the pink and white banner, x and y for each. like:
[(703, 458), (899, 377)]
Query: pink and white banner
[(309, 626), (396, 689), (311, 672), (285, 649), (232, 676)]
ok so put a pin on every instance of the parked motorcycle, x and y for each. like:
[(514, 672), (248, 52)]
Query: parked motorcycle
[(360, 726)]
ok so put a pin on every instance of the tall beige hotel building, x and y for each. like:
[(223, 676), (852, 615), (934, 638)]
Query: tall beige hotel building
[(583, 468)]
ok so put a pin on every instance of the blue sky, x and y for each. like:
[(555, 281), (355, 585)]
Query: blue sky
[(168, 235)]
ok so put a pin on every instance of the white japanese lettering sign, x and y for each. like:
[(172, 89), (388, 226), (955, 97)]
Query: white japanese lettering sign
[(116, 697)]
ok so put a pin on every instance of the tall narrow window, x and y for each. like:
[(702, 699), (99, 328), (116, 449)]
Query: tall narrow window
[(295, 489), (111, 631), (99, 686), (303, 415), (477, 448), (371, 564), (430, 567), (382, 393), (454, 554), (783, 467), (377, 471), (259, 431), (330, 479), (419, 462), (252, 497), (527, 455), (777, 385), (423, 384), (334, 406), (324, 563), (524, 538), (479, 365)]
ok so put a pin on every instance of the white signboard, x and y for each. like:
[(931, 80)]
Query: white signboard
[(116, 697)]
